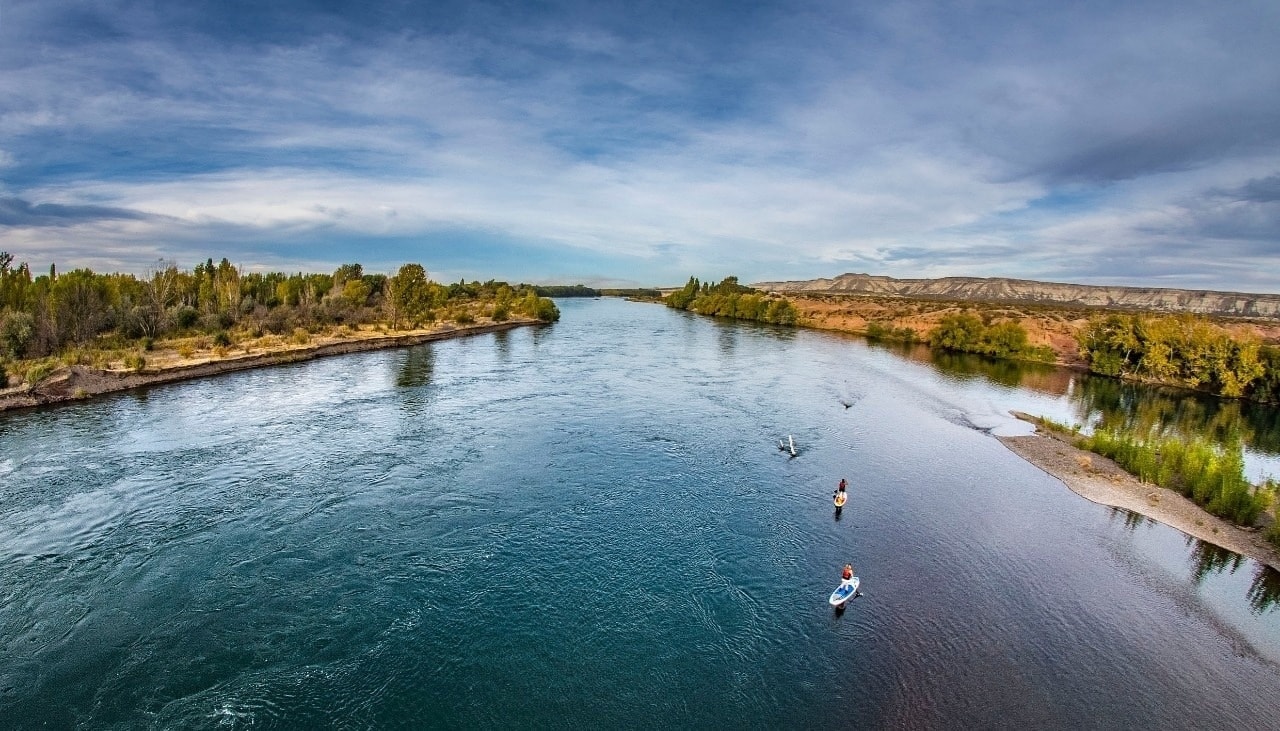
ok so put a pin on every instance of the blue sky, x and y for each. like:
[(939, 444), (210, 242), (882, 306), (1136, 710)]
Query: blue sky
[(634, 143)]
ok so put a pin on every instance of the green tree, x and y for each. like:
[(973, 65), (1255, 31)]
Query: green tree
[(1004, 340), (961, 331), (355, 292), (346, 273), (681, 299), (409, 296)]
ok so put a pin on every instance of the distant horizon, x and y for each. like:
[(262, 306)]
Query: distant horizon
[(1131, 144), (37, 271)]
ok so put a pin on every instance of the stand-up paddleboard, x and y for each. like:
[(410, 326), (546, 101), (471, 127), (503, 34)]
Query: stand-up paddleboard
[(844, 592), (840, 499)]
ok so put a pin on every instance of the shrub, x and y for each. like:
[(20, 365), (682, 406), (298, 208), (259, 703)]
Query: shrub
[(221, 339), (464, 317), (301, 336), (1211, 475), (1273, 533), (501, 313), (186, 350), (37, 372), (546, 310), (135, 362)]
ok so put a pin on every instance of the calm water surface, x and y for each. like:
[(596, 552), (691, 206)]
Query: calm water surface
[(590, 524)]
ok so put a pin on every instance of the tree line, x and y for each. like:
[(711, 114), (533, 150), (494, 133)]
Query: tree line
[(730, 299), (581, 290), (1184, 351), (43, 315)]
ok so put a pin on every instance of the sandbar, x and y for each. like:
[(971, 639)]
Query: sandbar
[(1102, 481)]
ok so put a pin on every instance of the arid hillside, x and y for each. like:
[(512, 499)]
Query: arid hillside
[(1048, 325), (1023, 292)]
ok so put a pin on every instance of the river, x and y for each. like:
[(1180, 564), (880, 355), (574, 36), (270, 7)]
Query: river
[(590, 524)]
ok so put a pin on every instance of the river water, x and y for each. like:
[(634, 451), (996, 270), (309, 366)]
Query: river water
[(591, 524)]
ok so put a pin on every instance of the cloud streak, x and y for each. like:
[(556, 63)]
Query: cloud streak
[(602, 143)]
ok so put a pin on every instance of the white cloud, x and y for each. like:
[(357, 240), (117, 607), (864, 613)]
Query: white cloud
[(893, 138)]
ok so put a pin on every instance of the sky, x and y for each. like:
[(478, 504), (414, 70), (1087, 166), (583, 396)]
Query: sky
[(640, 143)]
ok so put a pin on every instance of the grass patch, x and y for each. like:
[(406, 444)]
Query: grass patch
[(1211, 475), (1057, 426), (38, 371)]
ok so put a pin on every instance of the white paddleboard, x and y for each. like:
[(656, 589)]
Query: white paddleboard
[(844, 592)]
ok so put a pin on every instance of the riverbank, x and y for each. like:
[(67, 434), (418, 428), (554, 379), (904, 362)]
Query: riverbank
[(1102, 481), (76, 382)]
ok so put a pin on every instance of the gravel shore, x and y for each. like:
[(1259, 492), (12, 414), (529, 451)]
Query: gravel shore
[(79, 381)]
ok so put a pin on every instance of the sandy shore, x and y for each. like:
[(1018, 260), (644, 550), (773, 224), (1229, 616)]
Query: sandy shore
[(1101, 480), (80, 382)]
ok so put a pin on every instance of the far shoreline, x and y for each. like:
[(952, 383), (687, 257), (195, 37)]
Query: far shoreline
[(81, 382), (1102, 481)]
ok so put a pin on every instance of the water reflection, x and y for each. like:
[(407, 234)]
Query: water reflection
[(1106, 402), (1264, 593), (416, 367), (502, 345), (1005, 372), (1132, 520), (1207, 558), (728, 337), (1149, 409)]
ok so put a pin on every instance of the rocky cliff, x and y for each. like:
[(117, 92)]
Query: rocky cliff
[(995, 289)]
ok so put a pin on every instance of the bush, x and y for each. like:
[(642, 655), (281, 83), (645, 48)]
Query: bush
[(186, 316), (221, 339), (301, 336), (464, 317), (886, 331), (135, 362), (16, 332), (278, 321), (501, 313)]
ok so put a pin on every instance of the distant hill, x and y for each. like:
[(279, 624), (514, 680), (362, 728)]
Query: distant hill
[(997, 289)]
